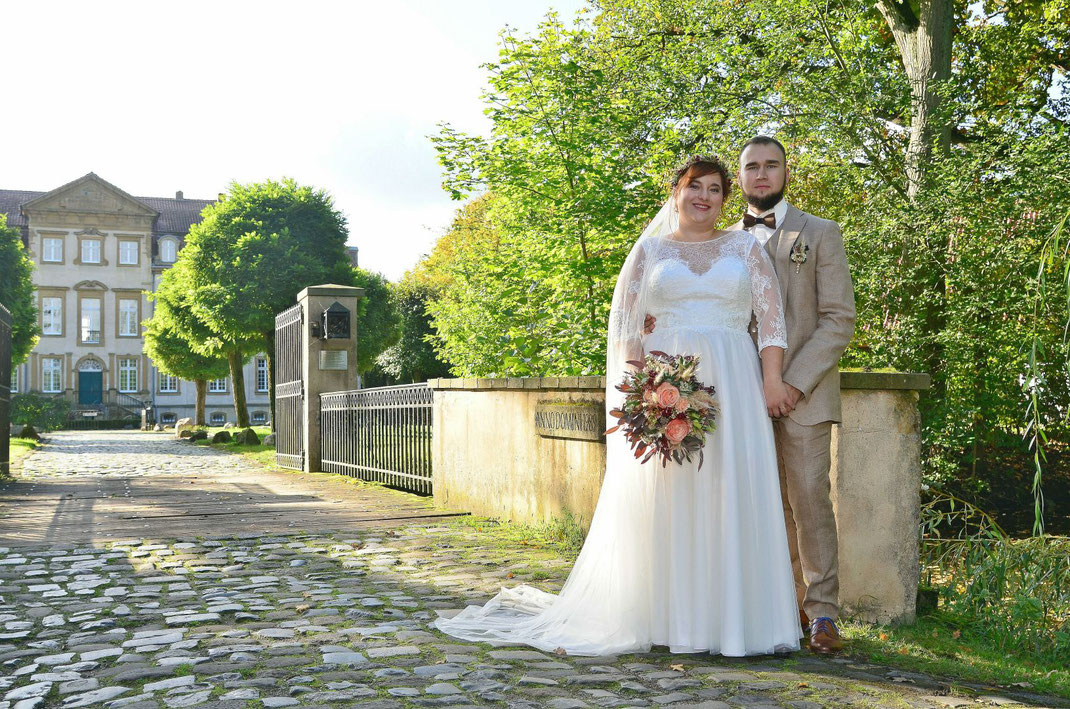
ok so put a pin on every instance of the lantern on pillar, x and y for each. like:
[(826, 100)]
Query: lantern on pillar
[(335, 321)]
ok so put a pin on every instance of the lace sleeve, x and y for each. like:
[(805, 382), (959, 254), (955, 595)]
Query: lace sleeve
[(624, 320), (765, 298)]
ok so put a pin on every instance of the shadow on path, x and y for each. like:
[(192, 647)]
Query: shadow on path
[(97, 486)]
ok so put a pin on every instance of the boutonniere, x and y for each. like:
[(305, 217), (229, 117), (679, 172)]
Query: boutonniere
[(799, 254)]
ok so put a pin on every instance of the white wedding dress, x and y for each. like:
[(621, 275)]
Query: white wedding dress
[(693, 558)]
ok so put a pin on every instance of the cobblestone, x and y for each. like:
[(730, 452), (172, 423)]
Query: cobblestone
[(231, 621)]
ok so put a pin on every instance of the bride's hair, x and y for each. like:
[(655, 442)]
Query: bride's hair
[(700, 166)]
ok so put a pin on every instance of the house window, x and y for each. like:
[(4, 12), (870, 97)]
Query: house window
[(168, 250), (15, 380), (168, 383), (259, 417), (218, 419), (168, 419), (51, 375), (128, 253), (261, 374), (90, 250), (128, 317), (127, 374), (91, 320), (217, 386), (52, 249), (51, 316)]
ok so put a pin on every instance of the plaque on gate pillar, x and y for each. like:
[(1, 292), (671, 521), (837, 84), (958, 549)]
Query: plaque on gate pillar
[(337, 360)]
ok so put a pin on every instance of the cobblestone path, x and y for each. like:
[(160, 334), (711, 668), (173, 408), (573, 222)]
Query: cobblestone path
[(343, 619)]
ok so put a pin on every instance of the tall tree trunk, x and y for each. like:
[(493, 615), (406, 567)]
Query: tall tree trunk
[(923, 35), (237, 379), (924, 39), (198, 407)]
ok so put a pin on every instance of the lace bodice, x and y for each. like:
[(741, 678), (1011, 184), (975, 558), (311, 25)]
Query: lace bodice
[(716, 283)]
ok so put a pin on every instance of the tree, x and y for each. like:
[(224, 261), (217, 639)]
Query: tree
[(250, 255), (412, 358), (376, 318), (17, 291), (922, 34), (922, 127), (167, 340)]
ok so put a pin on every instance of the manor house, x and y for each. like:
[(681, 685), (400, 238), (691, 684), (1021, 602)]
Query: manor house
[(97, 251)]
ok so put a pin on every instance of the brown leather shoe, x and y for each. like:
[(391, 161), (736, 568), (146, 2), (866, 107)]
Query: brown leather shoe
[(824, 637)]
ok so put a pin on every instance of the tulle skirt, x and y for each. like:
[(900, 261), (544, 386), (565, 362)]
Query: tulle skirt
[(689, 557)]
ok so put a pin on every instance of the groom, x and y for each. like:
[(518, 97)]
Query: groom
[(819, 310)]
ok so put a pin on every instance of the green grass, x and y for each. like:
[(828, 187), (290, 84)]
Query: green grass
[(21, 447), (939, 645), (563, 535)]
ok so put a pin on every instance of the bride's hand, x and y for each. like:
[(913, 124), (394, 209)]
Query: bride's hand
[(778, 400), (648, 324)]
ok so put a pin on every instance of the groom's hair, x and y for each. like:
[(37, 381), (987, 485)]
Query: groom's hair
[(765, 140)]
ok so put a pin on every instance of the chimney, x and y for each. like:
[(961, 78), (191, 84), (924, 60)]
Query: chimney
[(178, 195)]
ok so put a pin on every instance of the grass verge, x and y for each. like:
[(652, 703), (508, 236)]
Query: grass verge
[(21, 447), (941, 646)]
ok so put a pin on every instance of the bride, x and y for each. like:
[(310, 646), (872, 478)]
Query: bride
[(693, 558)]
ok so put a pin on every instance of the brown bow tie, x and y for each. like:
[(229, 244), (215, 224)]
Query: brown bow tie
[(769, 220)]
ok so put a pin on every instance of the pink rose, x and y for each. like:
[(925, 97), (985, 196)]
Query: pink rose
[(677, 430), (649, 396), (681, 405), (668, 395)]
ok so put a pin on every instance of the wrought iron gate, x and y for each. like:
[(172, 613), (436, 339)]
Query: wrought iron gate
[(381, 434), (5, 390), (289, 389)]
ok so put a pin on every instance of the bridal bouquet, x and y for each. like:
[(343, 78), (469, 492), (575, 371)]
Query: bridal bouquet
[(666, 410)]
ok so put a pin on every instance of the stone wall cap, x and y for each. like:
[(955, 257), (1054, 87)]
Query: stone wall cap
[(526, 383), (849, 379), (860, 379), (331, 289)]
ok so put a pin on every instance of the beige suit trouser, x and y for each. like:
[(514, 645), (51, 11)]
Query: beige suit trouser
[(804, 459)]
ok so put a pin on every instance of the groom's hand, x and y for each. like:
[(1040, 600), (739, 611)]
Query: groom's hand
[(648, 324), (777, 399), (794, 394)]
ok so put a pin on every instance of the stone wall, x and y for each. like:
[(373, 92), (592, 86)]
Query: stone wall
[(490, 458)]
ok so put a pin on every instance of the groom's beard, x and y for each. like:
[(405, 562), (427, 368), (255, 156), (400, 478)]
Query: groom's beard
[(763, 204)]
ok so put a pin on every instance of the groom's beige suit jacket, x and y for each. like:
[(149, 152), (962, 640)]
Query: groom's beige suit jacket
[(819, 310)]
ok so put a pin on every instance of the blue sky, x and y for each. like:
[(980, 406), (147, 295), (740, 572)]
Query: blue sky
[(158, 97)]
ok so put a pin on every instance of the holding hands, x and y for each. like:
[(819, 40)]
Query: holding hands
[(780, 397)]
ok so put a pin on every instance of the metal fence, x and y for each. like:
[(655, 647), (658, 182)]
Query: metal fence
[(289, 389), (5, 391), (382, 435)]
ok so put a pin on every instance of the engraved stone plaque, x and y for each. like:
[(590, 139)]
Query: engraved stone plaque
[(334, 360), (581, 420)]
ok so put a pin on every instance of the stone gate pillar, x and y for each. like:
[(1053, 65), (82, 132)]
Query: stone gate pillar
[(329, 362)]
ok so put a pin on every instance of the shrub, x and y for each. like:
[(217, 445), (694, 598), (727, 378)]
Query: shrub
[(45, 413)]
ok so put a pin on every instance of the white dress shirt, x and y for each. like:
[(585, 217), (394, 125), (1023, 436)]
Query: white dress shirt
[(763, 233)]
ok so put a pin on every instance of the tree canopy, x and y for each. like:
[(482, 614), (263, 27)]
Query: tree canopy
[(936, 186), (17, 291), (252, 253)]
